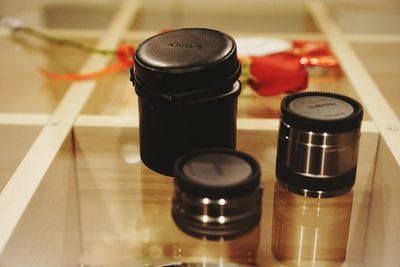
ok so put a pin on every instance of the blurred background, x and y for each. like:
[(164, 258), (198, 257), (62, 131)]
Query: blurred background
[(372, 28), (371, 16)]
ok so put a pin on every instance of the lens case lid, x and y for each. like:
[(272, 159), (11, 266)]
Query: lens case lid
[(185, 62), (321, 112)]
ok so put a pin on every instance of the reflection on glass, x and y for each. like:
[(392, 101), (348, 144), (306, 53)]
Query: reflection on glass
[(130, 153), (242, 250), (161, 241), (310, 231)]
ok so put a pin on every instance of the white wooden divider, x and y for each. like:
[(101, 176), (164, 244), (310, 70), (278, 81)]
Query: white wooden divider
[(366, 88), (27, 177)]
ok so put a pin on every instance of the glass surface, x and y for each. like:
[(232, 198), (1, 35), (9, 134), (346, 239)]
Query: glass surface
[(382, 61), (79, 15), (15, 141), (125, 210), (64, 14), (226, 15), (367, 17), (310, 231), (114, 95), (23, 88)]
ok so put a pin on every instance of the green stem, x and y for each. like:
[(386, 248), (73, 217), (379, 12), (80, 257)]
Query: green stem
[(66, 42), (246, 72)]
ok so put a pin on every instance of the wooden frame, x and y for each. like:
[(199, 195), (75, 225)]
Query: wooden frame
[(33, 189)]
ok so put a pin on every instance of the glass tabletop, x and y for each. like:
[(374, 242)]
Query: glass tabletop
[(125, 211), (117, 212), (15, 141)]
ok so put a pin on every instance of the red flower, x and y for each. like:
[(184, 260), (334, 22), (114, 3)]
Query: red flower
[(125, 54), (275, 74), (315, 53)]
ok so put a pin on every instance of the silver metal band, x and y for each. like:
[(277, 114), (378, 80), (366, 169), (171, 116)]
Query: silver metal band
[(217, 211), (318, 155)]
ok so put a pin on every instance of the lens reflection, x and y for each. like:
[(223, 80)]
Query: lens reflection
[(242, 251), (310, 231)]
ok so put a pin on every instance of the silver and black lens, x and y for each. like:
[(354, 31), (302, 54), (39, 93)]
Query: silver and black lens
[(318, 143), (217, 193)]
